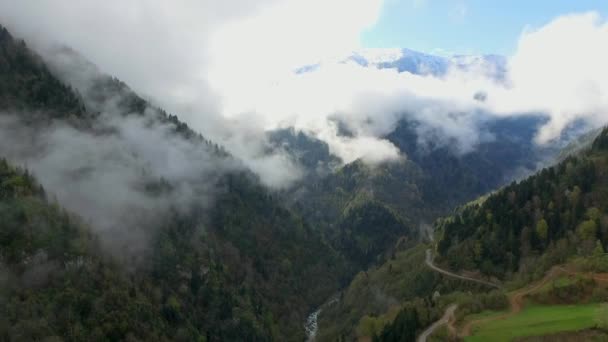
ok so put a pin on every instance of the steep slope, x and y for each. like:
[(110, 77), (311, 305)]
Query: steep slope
[(376, 292), (564, 207), (380, 301), (359, 203), (311, 154), (26, 84), (55, 283), (432, 179), (225, 262), (453, 178), (581, 143), (530, 225)]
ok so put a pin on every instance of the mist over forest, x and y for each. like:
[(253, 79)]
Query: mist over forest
[(284, 171)]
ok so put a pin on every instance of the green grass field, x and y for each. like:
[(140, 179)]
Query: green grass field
[(484, 315), (538, 321)]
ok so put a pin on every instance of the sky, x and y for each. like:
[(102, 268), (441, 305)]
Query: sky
[(466, 26), (227, 67)]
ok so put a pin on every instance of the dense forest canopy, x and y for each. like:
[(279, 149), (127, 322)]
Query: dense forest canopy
[(560, 211)]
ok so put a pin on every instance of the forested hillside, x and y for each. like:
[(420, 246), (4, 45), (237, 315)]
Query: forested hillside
[(311, 154), (453, 177), (560, 211), (363, 210), (548, 217), (238, 267), (514, 235), (26, 84), (431, 179), (54, 280)]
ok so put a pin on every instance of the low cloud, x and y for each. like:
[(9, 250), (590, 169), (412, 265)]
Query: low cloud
[(557, 71), (183, 55), (560, 69), (231, 73), (113, 176)]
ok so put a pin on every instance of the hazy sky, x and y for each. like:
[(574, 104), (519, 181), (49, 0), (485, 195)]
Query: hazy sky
[(466, 26)]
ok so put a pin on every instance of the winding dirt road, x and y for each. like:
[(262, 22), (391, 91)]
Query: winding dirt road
[(449, 312), (516, 298), (447, 316), (429, 262)]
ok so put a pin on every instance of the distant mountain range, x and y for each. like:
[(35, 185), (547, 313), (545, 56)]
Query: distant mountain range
[(419, 63)]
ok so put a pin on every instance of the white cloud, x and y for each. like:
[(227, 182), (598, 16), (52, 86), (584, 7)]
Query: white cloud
[(227, 67), (104, 177), (560, 69), (264, 49), (545, 76)]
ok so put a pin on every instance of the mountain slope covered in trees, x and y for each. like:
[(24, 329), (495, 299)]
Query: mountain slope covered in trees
[(237, 266), (55, 283), (515, 236), (545, 239), (431, 179), (557, 213)]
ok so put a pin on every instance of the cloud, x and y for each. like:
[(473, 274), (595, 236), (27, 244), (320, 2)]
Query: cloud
[(227, 68), (109, 175), (550, 74), (184, 54), (557, 70), (560, 69), (369, 102)]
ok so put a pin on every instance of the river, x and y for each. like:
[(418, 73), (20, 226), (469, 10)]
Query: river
[(312, 321)]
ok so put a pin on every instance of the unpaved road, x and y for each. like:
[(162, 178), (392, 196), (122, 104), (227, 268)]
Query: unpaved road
[(447, 316), (449, 312), (516, 298), (516, 302), (429, 262)]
